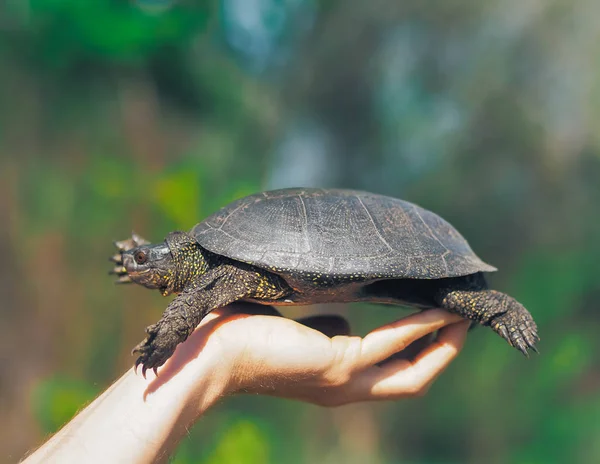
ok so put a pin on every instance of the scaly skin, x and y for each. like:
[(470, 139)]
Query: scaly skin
[(218, 287), (202, 282), (505, 315)]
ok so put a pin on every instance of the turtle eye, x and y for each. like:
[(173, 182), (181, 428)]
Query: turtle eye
[(140, 257)]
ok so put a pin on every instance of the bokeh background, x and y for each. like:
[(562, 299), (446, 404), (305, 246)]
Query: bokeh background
[(151, 114)]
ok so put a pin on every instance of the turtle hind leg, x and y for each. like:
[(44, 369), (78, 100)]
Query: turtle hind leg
[(505, 315), (516, 326)]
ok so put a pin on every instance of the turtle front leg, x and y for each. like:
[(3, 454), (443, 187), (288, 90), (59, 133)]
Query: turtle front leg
[(219, 287), (505, 315)]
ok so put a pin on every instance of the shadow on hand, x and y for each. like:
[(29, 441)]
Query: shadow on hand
[(329, 325)]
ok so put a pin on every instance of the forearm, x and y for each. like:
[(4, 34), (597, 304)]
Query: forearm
[(136, 420), (139, 421)]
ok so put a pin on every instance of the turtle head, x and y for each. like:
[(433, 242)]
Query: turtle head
[(169, 266), (150, 265)]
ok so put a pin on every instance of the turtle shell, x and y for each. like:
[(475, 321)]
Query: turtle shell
[(338, 233)]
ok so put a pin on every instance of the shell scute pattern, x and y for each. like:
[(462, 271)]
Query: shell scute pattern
[(317, 235)]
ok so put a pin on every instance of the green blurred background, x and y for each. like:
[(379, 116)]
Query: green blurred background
[(151, 114)]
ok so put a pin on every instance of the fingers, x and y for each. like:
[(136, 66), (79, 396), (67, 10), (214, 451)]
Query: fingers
[(403, 378), (330, 325), (392, 338), (342, 369), (412, 350)]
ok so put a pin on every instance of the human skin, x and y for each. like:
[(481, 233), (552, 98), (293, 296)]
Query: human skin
[(238, 350)]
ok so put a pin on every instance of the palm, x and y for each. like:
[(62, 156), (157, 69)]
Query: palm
[(278, 356)]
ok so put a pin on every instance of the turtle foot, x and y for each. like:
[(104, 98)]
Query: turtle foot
[(155, 349), (518, 328)]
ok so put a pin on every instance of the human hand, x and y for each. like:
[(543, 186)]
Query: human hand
[(266, 354), (231, 351)]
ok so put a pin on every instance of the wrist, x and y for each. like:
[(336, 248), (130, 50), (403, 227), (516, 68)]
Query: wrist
[(197, 374)]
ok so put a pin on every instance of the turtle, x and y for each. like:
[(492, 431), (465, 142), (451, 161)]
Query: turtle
[(303, 246)]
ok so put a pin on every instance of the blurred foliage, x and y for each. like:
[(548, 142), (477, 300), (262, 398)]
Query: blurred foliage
[(57, 399), (65, 31), (243, 441), (151, 114)]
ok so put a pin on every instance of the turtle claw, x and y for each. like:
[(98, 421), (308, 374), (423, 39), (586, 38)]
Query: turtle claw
[(135, 367), (138, 240), (517, 327), (523, 349), (124, 245), (153, 351), (118, 270), (121, 272), (133, 242)]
